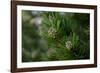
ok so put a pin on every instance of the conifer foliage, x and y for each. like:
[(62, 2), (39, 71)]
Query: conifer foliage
[(53, 36)]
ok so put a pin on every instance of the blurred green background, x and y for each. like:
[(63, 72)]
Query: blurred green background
[(53, 36)]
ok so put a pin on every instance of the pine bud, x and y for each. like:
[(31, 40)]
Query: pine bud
[(52, 32), (68, 45)]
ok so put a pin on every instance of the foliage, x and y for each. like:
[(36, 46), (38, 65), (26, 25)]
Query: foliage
[(57, 36)]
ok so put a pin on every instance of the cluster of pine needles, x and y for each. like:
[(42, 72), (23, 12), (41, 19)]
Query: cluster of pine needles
[(54, 36)]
